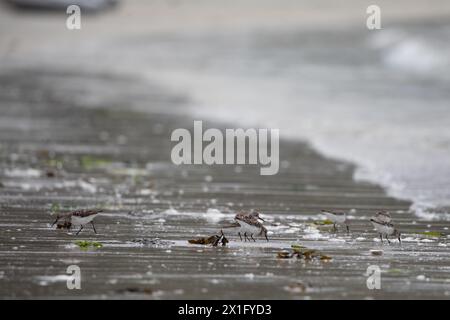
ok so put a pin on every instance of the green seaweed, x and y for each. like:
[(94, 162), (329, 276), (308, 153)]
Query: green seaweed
[(434, 234), (85, 245), (90, 162), (302, 252), (55, 208), (97, 245), (395, 271), (297, 247), (55, 163), (323, 223)]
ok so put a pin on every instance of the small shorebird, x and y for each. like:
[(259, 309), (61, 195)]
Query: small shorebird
[(337, 218), (386, 229), (77, 218), (383, 217), (248, 224)]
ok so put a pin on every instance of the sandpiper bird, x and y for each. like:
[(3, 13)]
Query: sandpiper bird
[(248, 224), (337, 218), (386, 229), (383, 216), (77, 218)]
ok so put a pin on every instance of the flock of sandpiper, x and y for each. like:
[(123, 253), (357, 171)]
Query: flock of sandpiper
[(250, 223), (382, 222), (247, 224)]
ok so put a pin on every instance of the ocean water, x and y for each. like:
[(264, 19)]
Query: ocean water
[(377, 98), (380, 99)]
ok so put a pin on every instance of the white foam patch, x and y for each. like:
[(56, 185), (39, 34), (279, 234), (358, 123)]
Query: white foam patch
[(401, 50), (312, 233), (40, 184), (211, 215), (22, 173)]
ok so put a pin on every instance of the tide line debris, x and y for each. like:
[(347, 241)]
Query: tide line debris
[(302, 252), (214, 240)]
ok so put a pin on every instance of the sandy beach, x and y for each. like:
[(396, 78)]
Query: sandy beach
[(82, 161), (87, 130)]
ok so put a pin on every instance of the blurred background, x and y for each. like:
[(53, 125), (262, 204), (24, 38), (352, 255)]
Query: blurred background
[(377, 98)]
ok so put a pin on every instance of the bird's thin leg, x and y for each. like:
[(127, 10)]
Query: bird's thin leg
[(265, 234), (245, 236), (92, 222), (388, 239), (251, 236), (240, 235), (348, 229), (381, 238), (79, 230), (334, 227), (55, 222)]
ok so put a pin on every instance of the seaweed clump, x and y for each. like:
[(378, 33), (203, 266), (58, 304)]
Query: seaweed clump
[(301, 252), (214, 240), (432, 234), (85, 245)]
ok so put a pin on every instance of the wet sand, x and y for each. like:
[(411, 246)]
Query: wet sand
[(80, 146)]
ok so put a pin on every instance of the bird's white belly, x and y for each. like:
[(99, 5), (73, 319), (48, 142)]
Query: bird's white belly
[(383, 229), (335, 218), (249, 229), (80, 221)]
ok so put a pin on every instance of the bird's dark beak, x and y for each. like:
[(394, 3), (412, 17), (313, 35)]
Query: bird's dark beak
[(262, 219), (55, 222)]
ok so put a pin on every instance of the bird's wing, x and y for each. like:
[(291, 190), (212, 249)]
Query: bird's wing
[(232, 225), (85, 213), (250, 220), (241, 214), (381, 223)]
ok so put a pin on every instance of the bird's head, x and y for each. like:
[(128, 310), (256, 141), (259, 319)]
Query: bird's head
[(256, 214)]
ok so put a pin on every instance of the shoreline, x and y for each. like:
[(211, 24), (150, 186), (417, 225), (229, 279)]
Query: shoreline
[(140, 47), (77, 150)]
